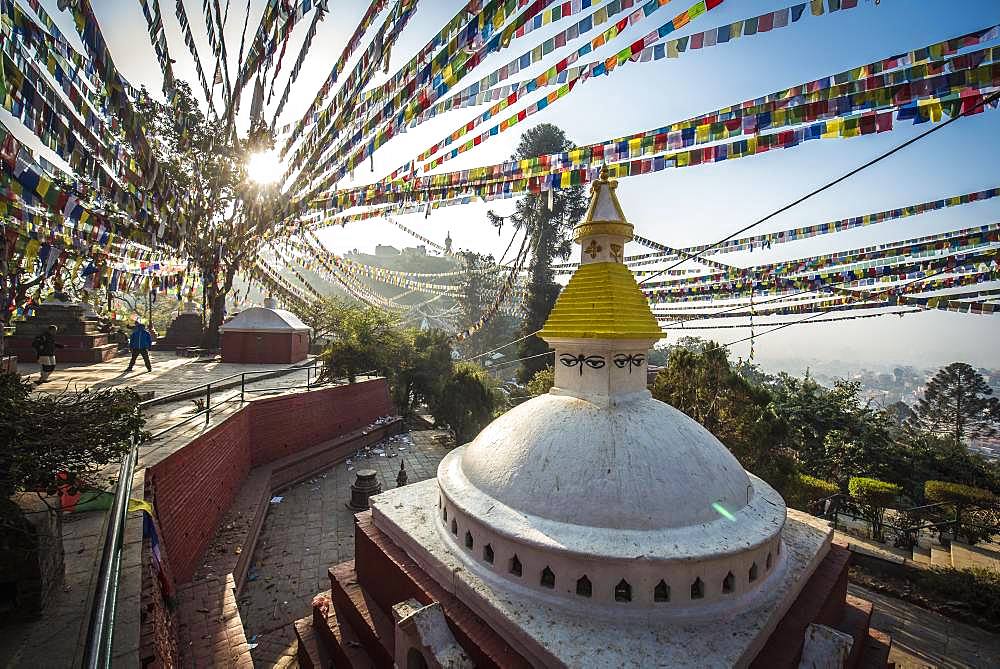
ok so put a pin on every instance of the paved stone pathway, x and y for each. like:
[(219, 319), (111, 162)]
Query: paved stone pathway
[(304, 535), (922, 638)]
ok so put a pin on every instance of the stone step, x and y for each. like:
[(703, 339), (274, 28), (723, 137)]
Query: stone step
[(855, 621), (820, 601), (324, 642), (391, 576), (940, 556), (353, 606), (877, 647), (921, 555)]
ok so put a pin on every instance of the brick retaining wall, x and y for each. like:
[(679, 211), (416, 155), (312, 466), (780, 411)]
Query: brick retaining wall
[(194, 487)]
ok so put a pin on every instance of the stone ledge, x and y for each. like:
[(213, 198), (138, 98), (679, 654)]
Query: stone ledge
[(547, 634)]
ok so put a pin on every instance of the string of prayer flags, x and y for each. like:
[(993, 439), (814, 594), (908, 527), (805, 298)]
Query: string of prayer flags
[(490, 182), (587, 24), (982, 268), (412, 103), (188, 38), (638, 51), (374, 9), (377, 52), (303, 51), (955, 241), (807, 92)]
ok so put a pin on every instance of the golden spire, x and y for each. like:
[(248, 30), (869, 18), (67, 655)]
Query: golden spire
[(604, 215), (602, 299)]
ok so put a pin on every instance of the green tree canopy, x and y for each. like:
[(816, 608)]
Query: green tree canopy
[(958, 403), (873, 498), (547, 220), (699, 380), (467, 401)]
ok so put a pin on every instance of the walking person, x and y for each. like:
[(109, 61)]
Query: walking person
[(139, 342), (45, 346)]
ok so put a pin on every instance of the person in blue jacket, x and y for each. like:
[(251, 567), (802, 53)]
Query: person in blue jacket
[(139, 343)]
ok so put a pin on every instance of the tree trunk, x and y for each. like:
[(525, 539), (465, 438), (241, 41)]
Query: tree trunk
[(216, 299)]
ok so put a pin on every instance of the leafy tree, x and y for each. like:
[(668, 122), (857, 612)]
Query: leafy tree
[(225, 213), (467, 401), (370, 339), (699, 381), (541, 382), (327, 315), (925, 456), (962, 497), (430, 368), (873, 498), (50, 440), (958, 402), (480, 282), (547, 228), (835, 433)]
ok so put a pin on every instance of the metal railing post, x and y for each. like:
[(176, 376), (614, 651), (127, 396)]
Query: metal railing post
[(208, 403), (243, 387), (308, 377)]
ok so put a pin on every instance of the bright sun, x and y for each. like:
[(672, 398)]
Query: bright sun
[(263, 168)]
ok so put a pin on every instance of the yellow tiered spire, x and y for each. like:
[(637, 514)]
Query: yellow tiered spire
[(602, 299)]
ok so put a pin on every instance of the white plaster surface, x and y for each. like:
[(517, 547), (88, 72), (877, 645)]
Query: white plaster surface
[(262, 319), (634, 465), (549, 632), (425, 629), (604, 207)]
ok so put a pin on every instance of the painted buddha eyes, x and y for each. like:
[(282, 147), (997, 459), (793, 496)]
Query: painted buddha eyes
[(630, 359), (592, 361)]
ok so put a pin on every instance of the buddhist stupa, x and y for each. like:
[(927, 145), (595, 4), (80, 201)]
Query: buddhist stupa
[(595, 526)]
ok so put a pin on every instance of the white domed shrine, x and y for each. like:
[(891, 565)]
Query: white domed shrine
[(596, 492), (594, 526)]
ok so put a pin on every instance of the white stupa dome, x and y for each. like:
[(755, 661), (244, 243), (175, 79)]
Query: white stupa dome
[(640, 465), (596, 493)]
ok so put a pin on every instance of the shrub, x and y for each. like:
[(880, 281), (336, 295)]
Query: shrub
[(805, 490), (466, 402), (53, 441), (873, 497), (962, 497), (977, 589), (542, 382), (957, 493)]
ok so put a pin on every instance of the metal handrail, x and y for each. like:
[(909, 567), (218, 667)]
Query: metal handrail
[(100, 628)]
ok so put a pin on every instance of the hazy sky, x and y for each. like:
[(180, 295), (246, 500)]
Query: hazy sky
[(698, 204)]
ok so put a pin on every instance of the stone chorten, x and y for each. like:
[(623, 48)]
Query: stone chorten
[(596, 493)]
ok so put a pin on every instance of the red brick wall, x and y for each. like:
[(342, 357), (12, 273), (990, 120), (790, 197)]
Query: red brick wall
[(281, 426), (194, 487), (264, 347)]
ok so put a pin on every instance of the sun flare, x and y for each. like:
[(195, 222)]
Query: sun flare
[(263, 167)]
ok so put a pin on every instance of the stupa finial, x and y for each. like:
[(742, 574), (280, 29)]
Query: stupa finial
[(604, 214)]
